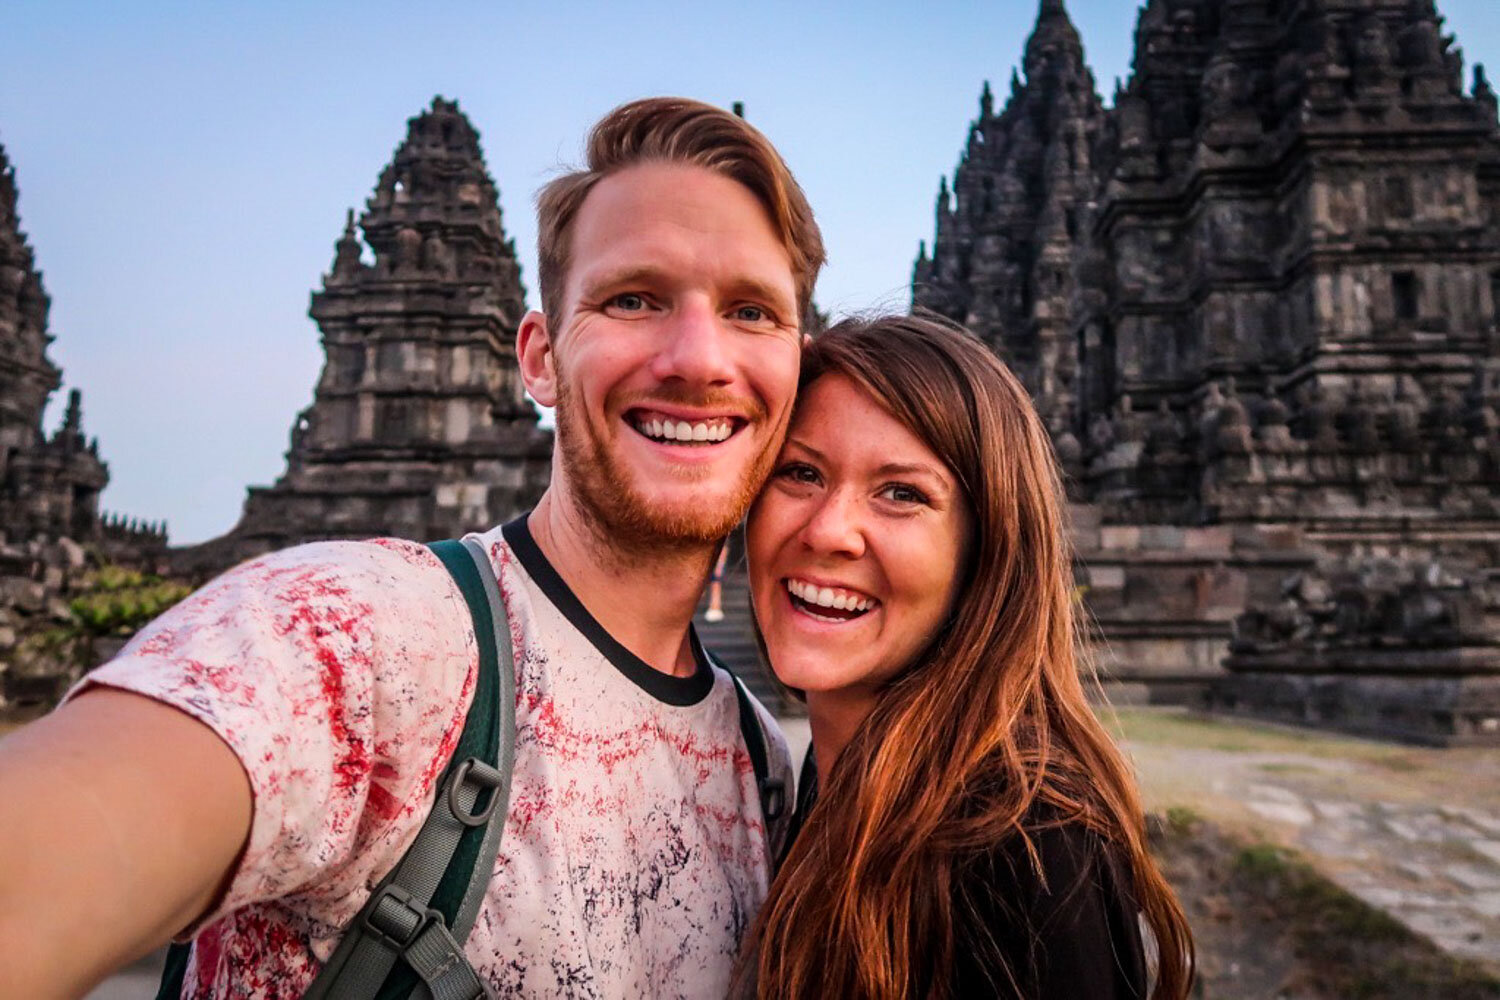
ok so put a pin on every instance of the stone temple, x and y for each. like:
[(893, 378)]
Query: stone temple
[(51, 528), (1257, 302), (419, 426), (49, 483)]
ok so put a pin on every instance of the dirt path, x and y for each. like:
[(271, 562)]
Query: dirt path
[(1414, 832)]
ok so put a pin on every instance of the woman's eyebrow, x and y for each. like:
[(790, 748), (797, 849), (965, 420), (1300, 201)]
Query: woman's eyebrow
[(908, 469), (804, 446)]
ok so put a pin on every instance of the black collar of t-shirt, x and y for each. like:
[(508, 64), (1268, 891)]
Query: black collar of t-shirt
[(663, 687)]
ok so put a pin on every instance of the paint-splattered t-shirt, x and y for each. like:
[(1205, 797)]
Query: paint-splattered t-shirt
[(633, 858)]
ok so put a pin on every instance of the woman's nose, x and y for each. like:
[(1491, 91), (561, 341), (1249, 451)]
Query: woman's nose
[(836, 526)]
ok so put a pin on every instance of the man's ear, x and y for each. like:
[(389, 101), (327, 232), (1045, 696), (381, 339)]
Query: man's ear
[(534, 353)]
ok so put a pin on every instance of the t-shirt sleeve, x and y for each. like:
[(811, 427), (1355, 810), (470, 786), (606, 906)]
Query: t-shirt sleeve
[(339, 674), (1073, 933)]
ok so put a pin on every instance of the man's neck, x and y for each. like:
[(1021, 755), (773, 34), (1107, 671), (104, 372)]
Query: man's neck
[(645, 600)]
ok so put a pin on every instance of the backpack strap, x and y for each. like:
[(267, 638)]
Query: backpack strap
[(772, 790), (422, 911)]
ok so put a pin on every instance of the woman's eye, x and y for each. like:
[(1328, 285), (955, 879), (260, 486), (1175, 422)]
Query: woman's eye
[(798, 472), (902, 493)]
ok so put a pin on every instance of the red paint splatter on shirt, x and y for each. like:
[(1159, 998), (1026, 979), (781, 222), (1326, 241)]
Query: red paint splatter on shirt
[(633, 855)]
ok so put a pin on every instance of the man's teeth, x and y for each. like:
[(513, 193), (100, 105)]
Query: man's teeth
[(827, 597), (710, 431)]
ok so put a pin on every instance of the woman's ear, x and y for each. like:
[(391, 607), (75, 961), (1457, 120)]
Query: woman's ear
[(536, 359)]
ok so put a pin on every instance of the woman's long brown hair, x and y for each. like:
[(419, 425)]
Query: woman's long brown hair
[(989, 724)]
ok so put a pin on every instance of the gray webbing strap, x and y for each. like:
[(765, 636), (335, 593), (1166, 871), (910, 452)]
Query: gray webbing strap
[(505, 763), (439, 959), (398, 921)]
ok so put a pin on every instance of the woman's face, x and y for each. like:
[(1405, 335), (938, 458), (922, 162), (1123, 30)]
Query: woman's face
[(855, 545)]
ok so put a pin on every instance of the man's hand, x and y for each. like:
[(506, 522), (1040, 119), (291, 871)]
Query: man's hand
[(120, 819)]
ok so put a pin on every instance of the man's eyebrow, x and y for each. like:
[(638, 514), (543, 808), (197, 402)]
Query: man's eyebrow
[(764, 291), (640, 274)]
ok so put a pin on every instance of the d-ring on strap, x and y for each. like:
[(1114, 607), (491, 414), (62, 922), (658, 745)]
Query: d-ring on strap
[(422, 911)]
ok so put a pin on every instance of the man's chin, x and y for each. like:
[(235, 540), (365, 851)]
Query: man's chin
[(686, 517)]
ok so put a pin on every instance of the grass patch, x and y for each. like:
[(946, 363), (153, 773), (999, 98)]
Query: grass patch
[(1182, 819), (1262, 861), (1188, 730)]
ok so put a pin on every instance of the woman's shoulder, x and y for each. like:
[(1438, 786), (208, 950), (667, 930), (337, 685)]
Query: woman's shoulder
[(1055, 910), (1040, 872)]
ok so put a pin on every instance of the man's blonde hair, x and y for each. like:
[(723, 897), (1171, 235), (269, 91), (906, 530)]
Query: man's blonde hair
[(677, 130)]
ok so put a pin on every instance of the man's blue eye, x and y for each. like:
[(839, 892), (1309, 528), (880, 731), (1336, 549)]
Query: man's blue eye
[(751, 314), (630, 302)]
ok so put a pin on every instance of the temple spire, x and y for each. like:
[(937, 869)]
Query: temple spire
[(419, 425), (49, 485), (1054, 36)]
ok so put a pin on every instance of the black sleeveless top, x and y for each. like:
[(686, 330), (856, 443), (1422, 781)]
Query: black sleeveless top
[(1068, 932)]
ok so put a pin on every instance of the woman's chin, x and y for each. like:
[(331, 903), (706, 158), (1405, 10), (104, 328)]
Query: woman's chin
[(809, 678)]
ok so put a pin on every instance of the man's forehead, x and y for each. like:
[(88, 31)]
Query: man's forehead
[(669, 221)]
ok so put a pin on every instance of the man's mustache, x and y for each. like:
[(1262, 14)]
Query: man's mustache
[(718, 401)]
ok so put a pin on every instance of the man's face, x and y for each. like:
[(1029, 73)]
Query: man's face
[(677, 354)]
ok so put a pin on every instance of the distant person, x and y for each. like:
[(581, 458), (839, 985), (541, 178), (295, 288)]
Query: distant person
[(967, 826), (258, 758), (715, 610)]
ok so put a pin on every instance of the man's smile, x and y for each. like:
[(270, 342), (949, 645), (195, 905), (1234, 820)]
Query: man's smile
[(682, 429)]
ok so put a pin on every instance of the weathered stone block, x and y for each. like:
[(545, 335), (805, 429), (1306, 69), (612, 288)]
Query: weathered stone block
[(1125, 537), (1106, 578), (1445, 711), (1208, 541), (1168, 537)]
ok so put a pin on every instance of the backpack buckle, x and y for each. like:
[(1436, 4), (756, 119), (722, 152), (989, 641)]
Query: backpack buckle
[(479, 774), (394, 917), (772, 798)]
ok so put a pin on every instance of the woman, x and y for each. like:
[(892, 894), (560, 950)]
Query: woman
[(975, 830)]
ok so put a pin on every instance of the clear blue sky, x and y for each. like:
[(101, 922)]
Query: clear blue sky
[(185, 167)]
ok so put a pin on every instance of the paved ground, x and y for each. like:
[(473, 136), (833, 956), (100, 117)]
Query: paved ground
[(1412, 831), (138, 982)]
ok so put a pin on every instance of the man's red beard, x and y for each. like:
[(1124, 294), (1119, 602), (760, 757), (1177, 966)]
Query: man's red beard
[(604, 488)]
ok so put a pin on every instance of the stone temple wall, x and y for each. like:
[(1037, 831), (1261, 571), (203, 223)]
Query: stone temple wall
[(52, 533), (1256, 302)]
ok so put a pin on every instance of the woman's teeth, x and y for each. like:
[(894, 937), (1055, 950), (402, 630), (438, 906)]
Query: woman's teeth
[(704, 431), (827, 597)]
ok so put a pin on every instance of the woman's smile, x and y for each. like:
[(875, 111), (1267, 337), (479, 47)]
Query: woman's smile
[(833, 604)]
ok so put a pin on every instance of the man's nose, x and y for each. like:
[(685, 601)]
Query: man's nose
[(836, 526), (695, 346)]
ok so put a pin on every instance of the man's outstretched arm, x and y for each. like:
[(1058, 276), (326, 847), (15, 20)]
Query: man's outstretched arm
[(120, 819)]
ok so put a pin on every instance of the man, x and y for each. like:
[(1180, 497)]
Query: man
[(258, 758)]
